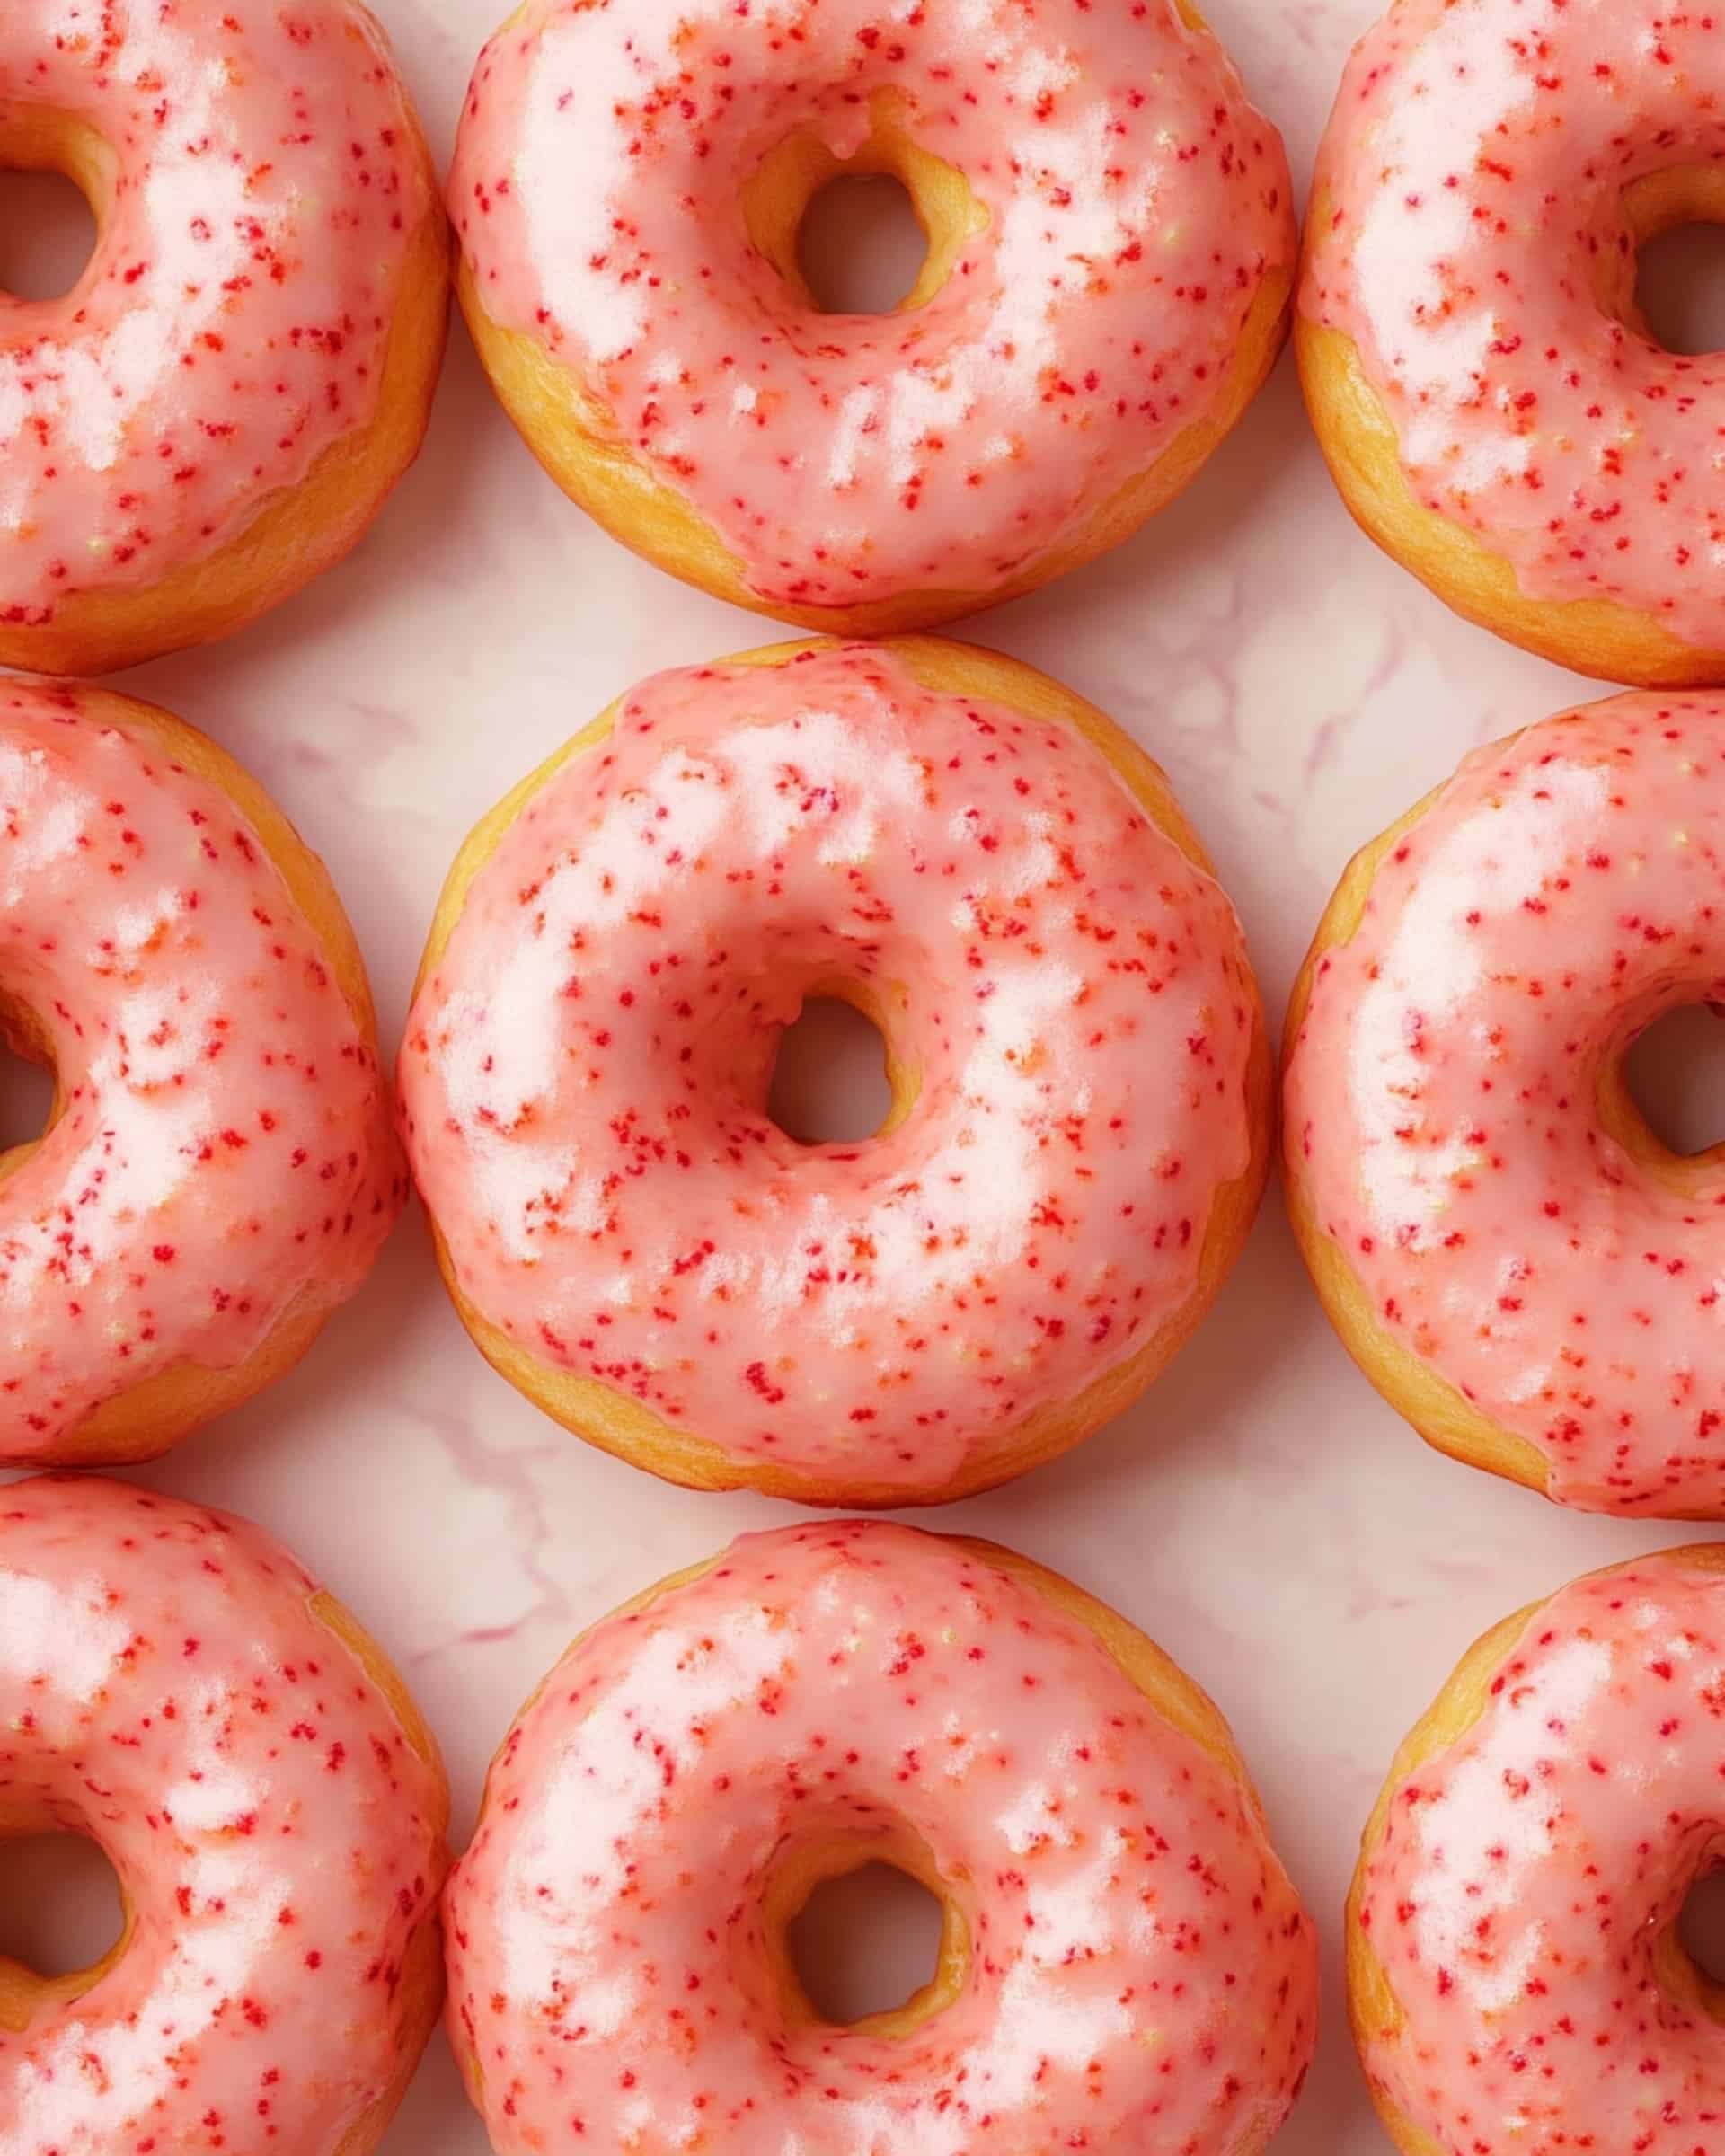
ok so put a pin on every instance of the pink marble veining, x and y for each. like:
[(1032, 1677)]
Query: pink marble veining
[(585, 1074), (1528, 1874), (223, 1152), (1565, 889), (1475, 248), (263, 180), (1140, 1973), (168, 1689), (1135, 205)]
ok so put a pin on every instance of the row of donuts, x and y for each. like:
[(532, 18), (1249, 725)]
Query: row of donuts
[(1122, 1952), (262, 322), (1081, 1117)]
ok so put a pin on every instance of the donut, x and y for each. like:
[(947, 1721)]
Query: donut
[(1002, 882), (1123, 1962), (220, 1167), (1111, 254), (176, 1688), (1496, 412), (1516, 1978), (1510, 1253), (216, 411)]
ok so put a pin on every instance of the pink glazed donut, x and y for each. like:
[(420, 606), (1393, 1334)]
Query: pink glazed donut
[(218, 409), (1003, 881), (1111, 247), (1506, 1248), (220, 1168), (175, 1688), (1517, 1979), (1124, 1965)]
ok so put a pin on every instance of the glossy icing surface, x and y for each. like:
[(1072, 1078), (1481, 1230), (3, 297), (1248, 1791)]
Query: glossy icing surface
[(1135, 204), (1477, 251), (167, 1688), (586, 1070), (264, 179), (1519, 1899), (1140, 1973), (1443, 1110), (225, 1148)]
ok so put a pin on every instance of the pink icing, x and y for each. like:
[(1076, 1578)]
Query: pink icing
[(269, 179), (1566, 889), (1141, 1973), (226, 1149), (1135, 202), (1477, 253), (586, 1070), (1528, 1872), (166, 1689)]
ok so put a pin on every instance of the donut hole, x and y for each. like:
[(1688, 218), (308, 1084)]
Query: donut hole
[(829, 1084), (1700, 1924), (861, 246), (866, 1943), (1680, 288), (26, 1099), (48, 234), (60, 1907), (1675, 1073)]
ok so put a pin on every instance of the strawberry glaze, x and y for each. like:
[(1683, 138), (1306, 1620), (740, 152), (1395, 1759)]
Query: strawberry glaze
[(1135, 206), (1140, 1972), (1565, 889), (167, 1689), (586, 1070), (1528, 1873), (225, 1149), (268, 179), (1474, 247)]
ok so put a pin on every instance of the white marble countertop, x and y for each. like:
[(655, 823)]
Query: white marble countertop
[(1260, 1512)]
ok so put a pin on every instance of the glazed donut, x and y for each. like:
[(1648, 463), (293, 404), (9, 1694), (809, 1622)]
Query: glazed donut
[(175, 1688), (1123, 1964), (1515, 1973), (1081, 1093), (1493, 407), (218, 408), (220, 1168), (1111, 250), (1516, 1262)]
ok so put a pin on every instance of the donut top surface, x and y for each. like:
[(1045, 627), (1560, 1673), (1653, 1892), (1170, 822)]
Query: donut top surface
[(169, 1688), (224, 1148), (1563, 890), (1521, 1899), (586, 1070), (1140, 1973), (1472, 239), (263, 178), (1134, 204)]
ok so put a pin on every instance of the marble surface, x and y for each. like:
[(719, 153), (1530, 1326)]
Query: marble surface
[(1260, 1513)]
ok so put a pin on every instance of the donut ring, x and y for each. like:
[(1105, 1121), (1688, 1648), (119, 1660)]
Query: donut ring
[(629, 184), (216, 411), (175, 1688), (1516, 1978), (1124, 1962), (1515, 1260), (1017, 1250), (220, 1168), (1494, 409)]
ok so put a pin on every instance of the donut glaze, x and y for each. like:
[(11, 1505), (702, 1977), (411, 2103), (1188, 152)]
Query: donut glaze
[(1125, 214), (1457, 1126), (1071, 1024), (173, 1686), (1488, 173), (1127, 1966), (261, 187), (1517, 1983), (220, 1161)]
